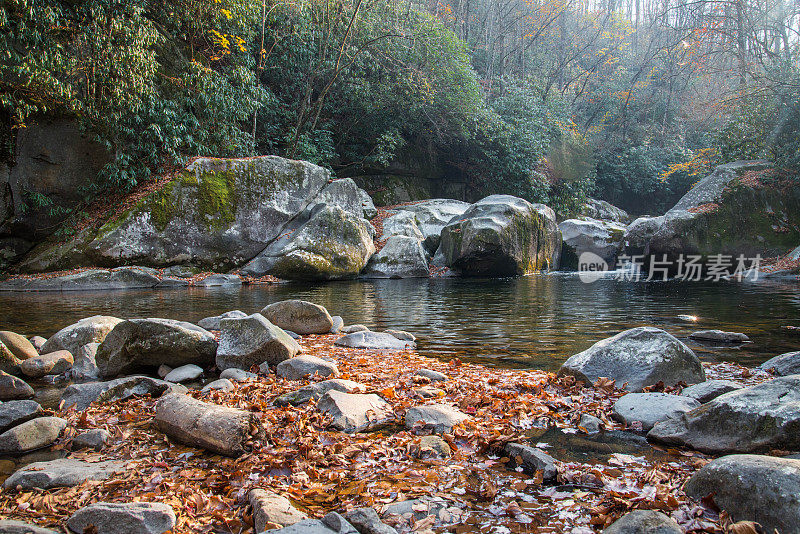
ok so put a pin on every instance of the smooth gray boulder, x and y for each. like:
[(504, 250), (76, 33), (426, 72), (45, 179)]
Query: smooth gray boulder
[(644, 522), (402, 335), (19, 345), (353, 328), (317, 390), (213, 323), (719, 336), (123, 518), (345, 194), (237, 375), (53, 363), (16, 412), (30, 435), (601, 238), (762, 417), (651, 408), (303, 366), (338, 323), (783, 365), (91, 439), (87, 280), (82, 395), (271, 508), (400, 257), (367, 521), (140, 343), (750, 487), (222, 384), (85, 364), (373, 340), (332, 523), (604, 211), (61, 473), (322, 243), (184, 373), (9, 526), (501, 236), (438, 418), (355, 412), (433, 215), (299, 316), (13, 388), (219, 429), (89, 330), (531, 460), (404, 224), (253, 340), (637, 358), (710, 390)]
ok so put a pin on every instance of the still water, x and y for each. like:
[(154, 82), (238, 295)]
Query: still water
[(529, 322)]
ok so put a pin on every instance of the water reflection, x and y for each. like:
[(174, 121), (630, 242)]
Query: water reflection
[(534, 321)]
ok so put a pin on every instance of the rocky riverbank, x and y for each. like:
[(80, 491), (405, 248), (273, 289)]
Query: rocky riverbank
[(287, 416)]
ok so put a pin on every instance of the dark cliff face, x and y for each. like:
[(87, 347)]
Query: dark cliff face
[(53, 171)]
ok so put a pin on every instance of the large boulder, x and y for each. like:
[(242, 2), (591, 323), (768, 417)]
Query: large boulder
[(400, 257), (732, 212), (253, 340), (299, 316), (750, 487), (439, 418), (213, 323), (345, 194), (82, 395), (402, 223), (89, 330), (638, 235), (220, 429), (762, 417), (322, 243), (604, 211), (85, 364), (123, 518), (783, 365), (215, 214), (433, 215), (303, 366), (601, 238), (502, 235), (637, 358), (88, 280), (152, 342)]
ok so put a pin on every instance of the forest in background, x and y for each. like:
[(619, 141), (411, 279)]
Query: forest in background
[(552, 100)]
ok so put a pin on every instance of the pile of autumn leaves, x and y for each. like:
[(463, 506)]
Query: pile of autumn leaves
[(323, 470)]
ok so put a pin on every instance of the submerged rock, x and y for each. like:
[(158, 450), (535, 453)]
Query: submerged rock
[(651, 408), (219, 429), (637, 358), (299, 316), (140, 343), (719, 336), (355, 412), (253, 340), (757, 418), (750, 487), (123, 518), (502, 235), (64, 472)]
